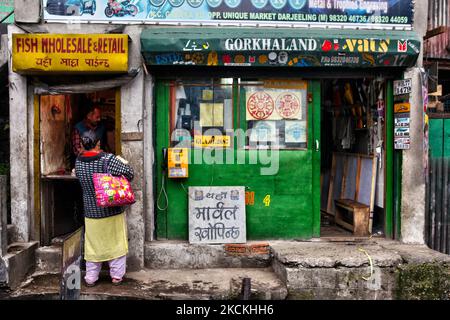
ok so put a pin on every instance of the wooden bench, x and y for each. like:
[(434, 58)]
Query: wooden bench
[(360, 216), (351, 191)]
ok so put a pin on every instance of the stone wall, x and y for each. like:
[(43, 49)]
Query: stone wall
[(373, 270)]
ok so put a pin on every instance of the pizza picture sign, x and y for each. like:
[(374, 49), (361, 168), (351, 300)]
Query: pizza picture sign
[(274, 105)]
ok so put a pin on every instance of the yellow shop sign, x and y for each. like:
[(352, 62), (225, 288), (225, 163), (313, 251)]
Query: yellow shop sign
[(402, 107), (70, 53), (212, 141)]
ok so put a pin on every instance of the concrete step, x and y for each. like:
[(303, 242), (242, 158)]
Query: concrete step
[(179, 284), (48, 259), (182, 255), (17, 263)]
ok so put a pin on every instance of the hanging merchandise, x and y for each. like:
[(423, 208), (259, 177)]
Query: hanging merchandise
[(380, 101), (348, 94), (348, 138)]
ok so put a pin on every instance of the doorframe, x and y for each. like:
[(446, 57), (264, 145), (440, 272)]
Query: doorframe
[(389, 163), (314, 116), (162, 125), (392, 174), (42, 226)]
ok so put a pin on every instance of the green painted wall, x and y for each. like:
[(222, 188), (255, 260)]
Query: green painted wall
[(436, 130), (439, 138), (294, 210), (6, 7)]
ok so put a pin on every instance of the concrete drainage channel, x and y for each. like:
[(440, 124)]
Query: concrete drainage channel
[(378, 270)]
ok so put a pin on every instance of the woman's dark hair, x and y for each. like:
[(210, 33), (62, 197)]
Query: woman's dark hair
[(89, 140)]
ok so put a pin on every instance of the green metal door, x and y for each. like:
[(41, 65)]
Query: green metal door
[(284, 205), (438, 186)]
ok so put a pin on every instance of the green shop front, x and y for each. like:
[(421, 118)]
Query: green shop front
[(302, 118)]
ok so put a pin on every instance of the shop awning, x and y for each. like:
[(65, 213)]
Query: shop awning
[(279, 47)]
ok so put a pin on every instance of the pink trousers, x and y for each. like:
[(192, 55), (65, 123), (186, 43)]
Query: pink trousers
[(117, 269)]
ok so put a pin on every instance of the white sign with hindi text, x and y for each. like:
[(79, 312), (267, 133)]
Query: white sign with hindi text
[(217, 215)]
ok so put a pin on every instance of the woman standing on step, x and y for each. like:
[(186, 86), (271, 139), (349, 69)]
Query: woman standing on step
[(105, 227)]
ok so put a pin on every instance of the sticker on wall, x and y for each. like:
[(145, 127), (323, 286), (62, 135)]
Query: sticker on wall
[(249, 198), (262, 59), (402, 107), (213, 58), (266, 200), (211, 114), (260, 105), (401, 132), (402, 86), (295, 131), (402, 143), (402, 120), (207, 94), (288, 106), (201, 141), (263, 131)]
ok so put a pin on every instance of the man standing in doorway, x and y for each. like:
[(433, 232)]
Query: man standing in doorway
[(92, 121)]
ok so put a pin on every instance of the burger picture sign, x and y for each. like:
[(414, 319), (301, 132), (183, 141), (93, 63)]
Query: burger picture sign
[(274, 105)]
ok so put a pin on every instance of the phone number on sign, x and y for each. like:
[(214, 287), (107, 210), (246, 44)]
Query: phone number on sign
[(367, 19)]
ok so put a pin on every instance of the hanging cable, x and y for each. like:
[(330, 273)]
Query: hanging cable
[(370, 263), (162, 191)]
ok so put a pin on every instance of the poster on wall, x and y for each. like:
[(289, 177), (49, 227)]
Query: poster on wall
[(211, 114), (295, 132), (273, 105), (263, 131), (348, 12)]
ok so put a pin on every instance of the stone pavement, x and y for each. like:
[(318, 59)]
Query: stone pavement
[(318, 269)]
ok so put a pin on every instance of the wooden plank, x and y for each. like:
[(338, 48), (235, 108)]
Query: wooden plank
[(438, 115), (37, 171), (351, 178), (361, 213), (372, 193), (330, 190), (365, 182), (435, 32), (325, 183), (350, 204), (361, 155), (358, 178), (337, 181), (361, 222), (344, 177), (344, 224)]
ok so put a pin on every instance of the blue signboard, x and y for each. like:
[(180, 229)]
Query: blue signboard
[(386, 13)]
